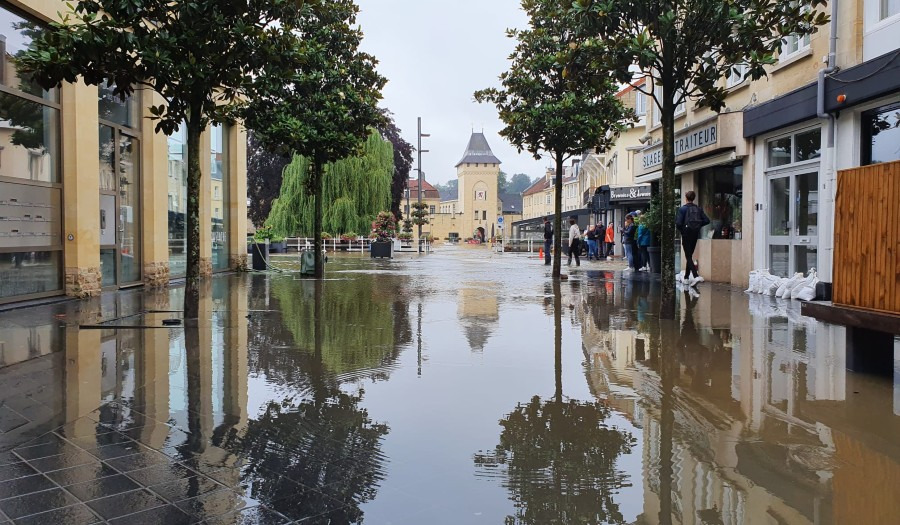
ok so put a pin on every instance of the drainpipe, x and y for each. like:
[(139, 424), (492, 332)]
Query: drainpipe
[(827, 262)]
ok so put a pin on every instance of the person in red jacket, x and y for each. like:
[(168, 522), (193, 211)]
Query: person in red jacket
[(610, 240)]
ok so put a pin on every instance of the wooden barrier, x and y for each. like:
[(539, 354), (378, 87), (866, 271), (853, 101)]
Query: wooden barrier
[(867, 238)]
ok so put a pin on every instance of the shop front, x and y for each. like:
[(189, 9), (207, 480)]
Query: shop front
[(712, 159), (622, 201)]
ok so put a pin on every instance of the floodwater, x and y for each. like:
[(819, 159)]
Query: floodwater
[(459, 387)]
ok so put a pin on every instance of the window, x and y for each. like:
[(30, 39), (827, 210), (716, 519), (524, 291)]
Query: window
[(177, 147), (484, 215), (881, 135), (798, 147), (888, 8), (720, 192), (793, 45), (218, 144), (548, 198), (657, 110), (737, 75), (640, 103), (476, 215), (431, 209)]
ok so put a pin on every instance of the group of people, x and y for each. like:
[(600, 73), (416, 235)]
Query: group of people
[(636, 238)]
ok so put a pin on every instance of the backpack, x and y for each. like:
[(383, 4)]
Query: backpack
[(693, 218)]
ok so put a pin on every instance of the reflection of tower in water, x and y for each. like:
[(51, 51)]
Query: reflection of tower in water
[(478, 311)]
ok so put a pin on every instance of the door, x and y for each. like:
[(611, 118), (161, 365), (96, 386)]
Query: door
[(119, 209), (793, 229)]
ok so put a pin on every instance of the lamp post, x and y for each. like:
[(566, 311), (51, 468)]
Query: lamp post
[(419, 170)]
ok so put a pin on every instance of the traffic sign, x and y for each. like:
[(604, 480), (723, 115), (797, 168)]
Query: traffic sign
[(500, 220)]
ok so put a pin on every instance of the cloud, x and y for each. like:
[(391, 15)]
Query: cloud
[(435, 56)]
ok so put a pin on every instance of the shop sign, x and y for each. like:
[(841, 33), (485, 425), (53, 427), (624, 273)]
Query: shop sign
[(629, 193), (684, 143)]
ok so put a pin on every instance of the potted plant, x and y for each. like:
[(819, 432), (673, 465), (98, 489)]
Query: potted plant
[(346, 239), (258, 250), (405, 238), (383, 230), (277, 244)]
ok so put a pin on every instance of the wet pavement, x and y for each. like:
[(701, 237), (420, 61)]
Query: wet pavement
[(459, 387)]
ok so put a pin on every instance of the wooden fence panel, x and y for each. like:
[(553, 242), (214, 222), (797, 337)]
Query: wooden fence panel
[(867, 238)]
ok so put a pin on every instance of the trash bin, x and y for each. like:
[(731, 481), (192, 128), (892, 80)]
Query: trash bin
[(260, 256), (308, 262)]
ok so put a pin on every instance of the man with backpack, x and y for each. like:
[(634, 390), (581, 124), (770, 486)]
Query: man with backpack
[(689, 221), (548, 239)]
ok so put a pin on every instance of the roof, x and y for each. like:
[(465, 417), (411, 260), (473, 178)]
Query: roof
[(478, 151), (428, 191), (542, 184), (512, 202)]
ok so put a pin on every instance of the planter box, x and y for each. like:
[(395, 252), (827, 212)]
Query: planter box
[(260, 257), (382, 250), (655, 259), (278, 247)]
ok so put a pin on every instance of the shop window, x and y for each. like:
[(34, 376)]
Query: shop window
[(28, 273), (16, 34), (177, 147), (219, 174), (881, 134), (115, 109), (720, 194), (802, 146)]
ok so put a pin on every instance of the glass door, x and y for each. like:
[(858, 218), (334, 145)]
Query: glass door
[(120, 261), (793, 223)]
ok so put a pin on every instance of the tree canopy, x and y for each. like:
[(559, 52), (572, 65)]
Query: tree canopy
[(403, 159), (547, 103)]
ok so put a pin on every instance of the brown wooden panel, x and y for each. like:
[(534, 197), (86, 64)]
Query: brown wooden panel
[(867, 238)]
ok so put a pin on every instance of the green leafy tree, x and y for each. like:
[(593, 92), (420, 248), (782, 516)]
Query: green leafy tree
[(323, 111), (198, 56), (519, 183), (354, 190), (403, 151), (546, 104), (687, 47), (502, 182), (420, 213)]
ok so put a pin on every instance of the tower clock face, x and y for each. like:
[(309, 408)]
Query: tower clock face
[(480, 195)]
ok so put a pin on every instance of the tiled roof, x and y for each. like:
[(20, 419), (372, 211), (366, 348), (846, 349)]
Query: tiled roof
[(512, 203), (478, 151), (539, 186), (428, 191)]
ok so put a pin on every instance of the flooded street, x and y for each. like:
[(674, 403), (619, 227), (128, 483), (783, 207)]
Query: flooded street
[(459, 387)]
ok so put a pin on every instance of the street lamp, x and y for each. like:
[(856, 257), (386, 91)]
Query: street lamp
[(419, 170)]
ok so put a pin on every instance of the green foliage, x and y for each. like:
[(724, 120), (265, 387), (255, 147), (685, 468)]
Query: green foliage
[(551, 101), (384, 226), (354, 190), (653, 217), (519, 183), (419, 213), (407, 226), (263, 234)]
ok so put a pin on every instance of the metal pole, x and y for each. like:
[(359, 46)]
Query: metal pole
[(419, 151)]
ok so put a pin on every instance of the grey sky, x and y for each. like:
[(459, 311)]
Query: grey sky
[(435, 55)]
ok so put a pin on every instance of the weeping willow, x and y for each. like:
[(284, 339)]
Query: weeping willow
[(354, 190)]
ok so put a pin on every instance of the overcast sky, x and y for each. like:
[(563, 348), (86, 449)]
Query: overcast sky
[(435, 55)]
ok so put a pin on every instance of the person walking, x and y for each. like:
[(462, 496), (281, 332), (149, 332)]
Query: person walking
[(610, 240), (548, 240), (689, 220), (628, 242), (591, 236), (644, 239), (574, 241)]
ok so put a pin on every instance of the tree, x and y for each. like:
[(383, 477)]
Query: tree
[(448, 191), (198, 56), (546, 104), (519, 183), (686, 47), (264, 178), (402, 160), (353, 191), (324, 110), (502, 182)]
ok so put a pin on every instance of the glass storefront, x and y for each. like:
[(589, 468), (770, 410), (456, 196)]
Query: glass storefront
[(881, 135), (177, 198), (119, 157), (720, 193), (30, 182), (220, 187)]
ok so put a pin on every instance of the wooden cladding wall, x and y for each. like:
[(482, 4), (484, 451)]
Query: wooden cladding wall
[(867, 238)]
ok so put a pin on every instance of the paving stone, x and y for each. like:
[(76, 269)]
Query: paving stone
[(73, 458), (10, 419), (81, 474), (251, 516), (126, 503), (73, 515), (26, 485), (16, 470), (92, 442), (167, 515), (54, 447), (216, 503), (100, 488), (159, 474), (185, 488), (141, 460), (82, 427), (47, 500)]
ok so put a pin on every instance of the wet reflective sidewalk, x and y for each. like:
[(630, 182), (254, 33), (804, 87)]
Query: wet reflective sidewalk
[(461, 387)]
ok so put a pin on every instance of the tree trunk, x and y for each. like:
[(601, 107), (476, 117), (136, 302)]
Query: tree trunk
[(667, 195), (557, 218), (667, 370), (192, 272), (317, 218), (557, 338)]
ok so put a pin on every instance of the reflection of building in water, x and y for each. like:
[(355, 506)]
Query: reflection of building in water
[(478, 312), (765, 429)]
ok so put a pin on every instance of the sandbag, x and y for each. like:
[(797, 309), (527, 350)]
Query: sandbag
[(761, 279), (768, 284), (784, 291), (806, 290), (754, 277)]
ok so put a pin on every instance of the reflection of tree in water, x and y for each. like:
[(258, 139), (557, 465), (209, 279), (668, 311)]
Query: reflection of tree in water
[(328, 443), (27, 117), (559, 461)]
